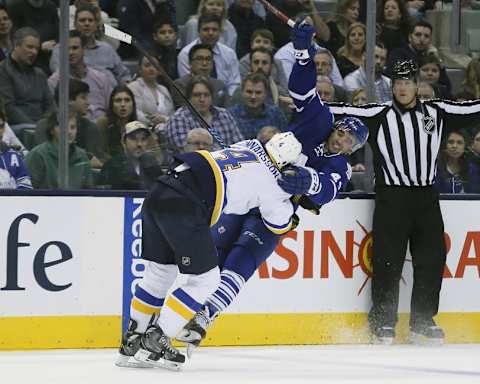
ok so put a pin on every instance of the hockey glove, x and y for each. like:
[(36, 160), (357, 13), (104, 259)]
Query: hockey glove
[(299, 180), (302, 37), (295, 221)]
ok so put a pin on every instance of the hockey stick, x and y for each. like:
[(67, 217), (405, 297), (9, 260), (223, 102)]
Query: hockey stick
[(116, 34), (279, 14)]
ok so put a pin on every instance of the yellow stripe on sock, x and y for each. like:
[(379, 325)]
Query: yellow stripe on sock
[(144, 308), (178, 307)]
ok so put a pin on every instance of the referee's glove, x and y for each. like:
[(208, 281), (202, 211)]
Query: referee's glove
[(299, 180)]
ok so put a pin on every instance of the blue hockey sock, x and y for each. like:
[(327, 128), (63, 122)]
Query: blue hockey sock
[(230, 286)]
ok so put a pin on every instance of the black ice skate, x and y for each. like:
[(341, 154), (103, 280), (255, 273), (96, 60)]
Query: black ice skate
[(195, 330), (383, 335), (156, 349), (130, 345), (429, 334)]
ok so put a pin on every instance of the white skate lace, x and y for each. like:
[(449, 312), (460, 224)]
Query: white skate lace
[(202, 318), (167, 345)]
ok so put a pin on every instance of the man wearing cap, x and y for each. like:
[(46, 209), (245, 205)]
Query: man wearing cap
[(405, 137), (136, 167)]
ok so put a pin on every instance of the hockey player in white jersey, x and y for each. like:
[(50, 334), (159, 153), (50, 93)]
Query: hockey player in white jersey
[(176, 219)]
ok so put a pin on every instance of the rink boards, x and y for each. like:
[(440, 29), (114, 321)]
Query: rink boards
[(68, 266)]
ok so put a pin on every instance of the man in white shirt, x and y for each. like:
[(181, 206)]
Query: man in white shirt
[(225, 59), (383, 85)]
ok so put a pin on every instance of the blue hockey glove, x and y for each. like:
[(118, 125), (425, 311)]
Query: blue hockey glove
[(302, 35), (299, 180)]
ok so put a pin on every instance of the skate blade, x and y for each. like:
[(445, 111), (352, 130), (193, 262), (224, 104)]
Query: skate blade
[(421, 340), (190, 349), (130, 362), (144, 356), (382, 340)]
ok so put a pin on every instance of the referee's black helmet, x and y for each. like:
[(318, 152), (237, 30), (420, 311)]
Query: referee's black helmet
[(405, 69)]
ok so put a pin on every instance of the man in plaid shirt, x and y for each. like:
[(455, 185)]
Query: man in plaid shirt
[(199, 91)]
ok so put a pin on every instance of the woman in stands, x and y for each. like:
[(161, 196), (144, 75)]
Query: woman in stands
[(121, 110), (430, 69), (456, 174), (347, 13), (153, 100), (393, 21), (350, 55), (216, 7), (471, 85)]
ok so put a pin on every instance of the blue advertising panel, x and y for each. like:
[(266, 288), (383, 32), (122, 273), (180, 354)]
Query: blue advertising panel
[(133, 264)]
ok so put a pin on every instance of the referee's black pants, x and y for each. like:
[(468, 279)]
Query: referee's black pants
[(406, 216)]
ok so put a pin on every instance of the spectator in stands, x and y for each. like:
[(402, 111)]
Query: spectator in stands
[(455, 173), (102, 18), (154, 102), (198, 139), (121, 110), (266, 133), (419, 45), (323, 60), (254, 112), (263, 38), (425, 91), (228, 33), (9, 137), (293, 8), (417, 8), (359, 97), (245, 21), (199, 91), (258, 8), (88, 136), (325, 89), (430, 68), (13, 172), (200, 58), (347, 12), (471, 85), (350, 55), (135, 167), (262, 62), (473, 155), (393, 23), (42, 161), (383, 85), (98, 54), (225, 61), (137, 18), (6, 25), (23, 86), (100, 85), (165, 46), (42, 16)]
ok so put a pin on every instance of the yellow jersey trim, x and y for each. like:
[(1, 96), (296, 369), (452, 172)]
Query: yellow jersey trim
[(219, 186), (179, 308), (144, 308)]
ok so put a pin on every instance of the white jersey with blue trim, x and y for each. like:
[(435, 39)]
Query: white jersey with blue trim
[(13, 172), (251, 182)]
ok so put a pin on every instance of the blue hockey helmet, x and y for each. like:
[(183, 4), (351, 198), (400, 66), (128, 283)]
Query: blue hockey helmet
[(356, 128)]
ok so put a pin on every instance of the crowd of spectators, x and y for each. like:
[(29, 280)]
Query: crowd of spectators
[(231, 60)]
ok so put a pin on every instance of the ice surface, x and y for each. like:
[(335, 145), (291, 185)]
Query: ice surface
[(453, 364)]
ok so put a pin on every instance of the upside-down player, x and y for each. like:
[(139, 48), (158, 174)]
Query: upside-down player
[(243, 242)]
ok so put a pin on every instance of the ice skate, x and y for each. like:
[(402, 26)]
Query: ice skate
[(428, 335), (383, 335), (130, 345), (195, 330), (156, 349)]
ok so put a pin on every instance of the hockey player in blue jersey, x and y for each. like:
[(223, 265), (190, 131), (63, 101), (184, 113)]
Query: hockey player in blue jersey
[(13, 172), (243, 242)]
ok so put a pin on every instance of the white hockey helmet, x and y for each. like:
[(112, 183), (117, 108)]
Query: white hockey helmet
[(283, 148)]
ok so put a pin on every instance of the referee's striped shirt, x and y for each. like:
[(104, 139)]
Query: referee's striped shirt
[(405, 143)]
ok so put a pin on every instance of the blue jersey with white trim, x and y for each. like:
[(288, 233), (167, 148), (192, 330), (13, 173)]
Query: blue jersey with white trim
[(312, 126), (13, 172), (250, 181)]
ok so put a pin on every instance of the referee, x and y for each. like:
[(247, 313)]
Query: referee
[(405, 137)]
